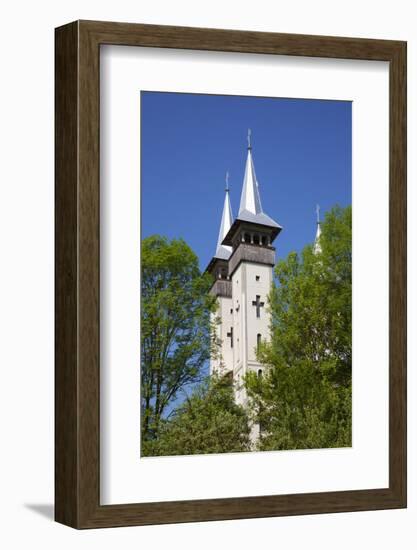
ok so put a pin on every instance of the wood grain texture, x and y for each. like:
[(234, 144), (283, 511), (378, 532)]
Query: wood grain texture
[(77, 404), (66, 232), (398, 274)]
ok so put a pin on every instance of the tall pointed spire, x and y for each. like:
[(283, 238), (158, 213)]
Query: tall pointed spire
[(317, 246), (250, 209), (250, 200), (223, 251)]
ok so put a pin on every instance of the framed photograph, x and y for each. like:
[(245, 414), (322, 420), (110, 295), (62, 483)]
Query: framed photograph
[(230, 274)]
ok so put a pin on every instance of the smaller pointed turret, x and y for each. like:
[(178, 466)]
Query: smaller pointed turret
[(222, 251), (218, 264)]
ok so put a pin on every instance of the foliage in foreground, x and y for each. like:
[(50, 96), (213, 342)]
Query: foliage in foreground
[(207, 422), (304, 400), (175, 326)]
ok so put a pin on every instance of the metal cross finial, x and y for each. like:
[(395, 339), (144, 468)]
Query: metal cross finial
[(318, 213), (227, 181), (249, 135)]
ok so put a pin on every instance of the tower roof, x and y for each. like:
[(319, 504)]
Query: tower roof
[(250, 209), (250, 199), (223, 251)]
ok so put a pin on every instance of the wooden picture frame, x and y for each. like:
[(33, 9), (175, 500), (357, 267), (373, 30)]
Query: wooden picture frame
[(77, 374)]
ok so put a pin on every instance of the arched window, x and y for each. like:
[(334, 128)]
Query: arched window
[(260, 373), (258, 341)]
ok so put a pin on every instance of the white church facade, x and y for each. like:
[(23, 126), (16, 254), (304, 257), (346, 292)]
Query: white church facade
[(242, 268)]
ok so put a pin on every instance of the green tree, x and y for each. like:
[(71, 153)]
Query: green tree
[(304, 399), (175, 326), (207, 422)]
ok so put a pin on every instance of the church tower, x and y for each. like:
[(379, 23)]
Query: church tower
[(245, 281)]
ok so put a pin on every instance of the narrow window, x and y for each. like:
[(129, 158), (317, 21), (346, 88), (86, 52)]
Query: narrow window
[(257, 277), (258, 341), (256, 239), (264, 240), (260, 373)]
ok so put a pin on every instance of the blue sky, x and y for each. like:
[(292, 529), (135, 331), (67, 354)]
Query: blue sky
[(301, 150)]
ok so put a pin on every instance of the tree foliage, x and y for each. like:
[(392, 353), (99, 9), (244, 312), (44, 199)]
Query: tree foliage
[(175, 326), (304, 400), (207, 422)]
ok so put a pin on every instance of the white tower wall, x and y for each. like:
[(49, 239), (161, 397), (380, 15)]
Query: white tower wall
[(249, 281), (223, 363)]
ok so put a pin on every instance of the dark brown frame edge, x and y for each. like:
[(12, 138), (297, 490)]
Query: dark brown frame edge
[(77, 274)]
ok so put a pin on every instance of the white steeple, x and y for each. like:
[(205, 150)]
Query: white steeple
[(250, 209), (317, 246), (222, 251), (250, 200)]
